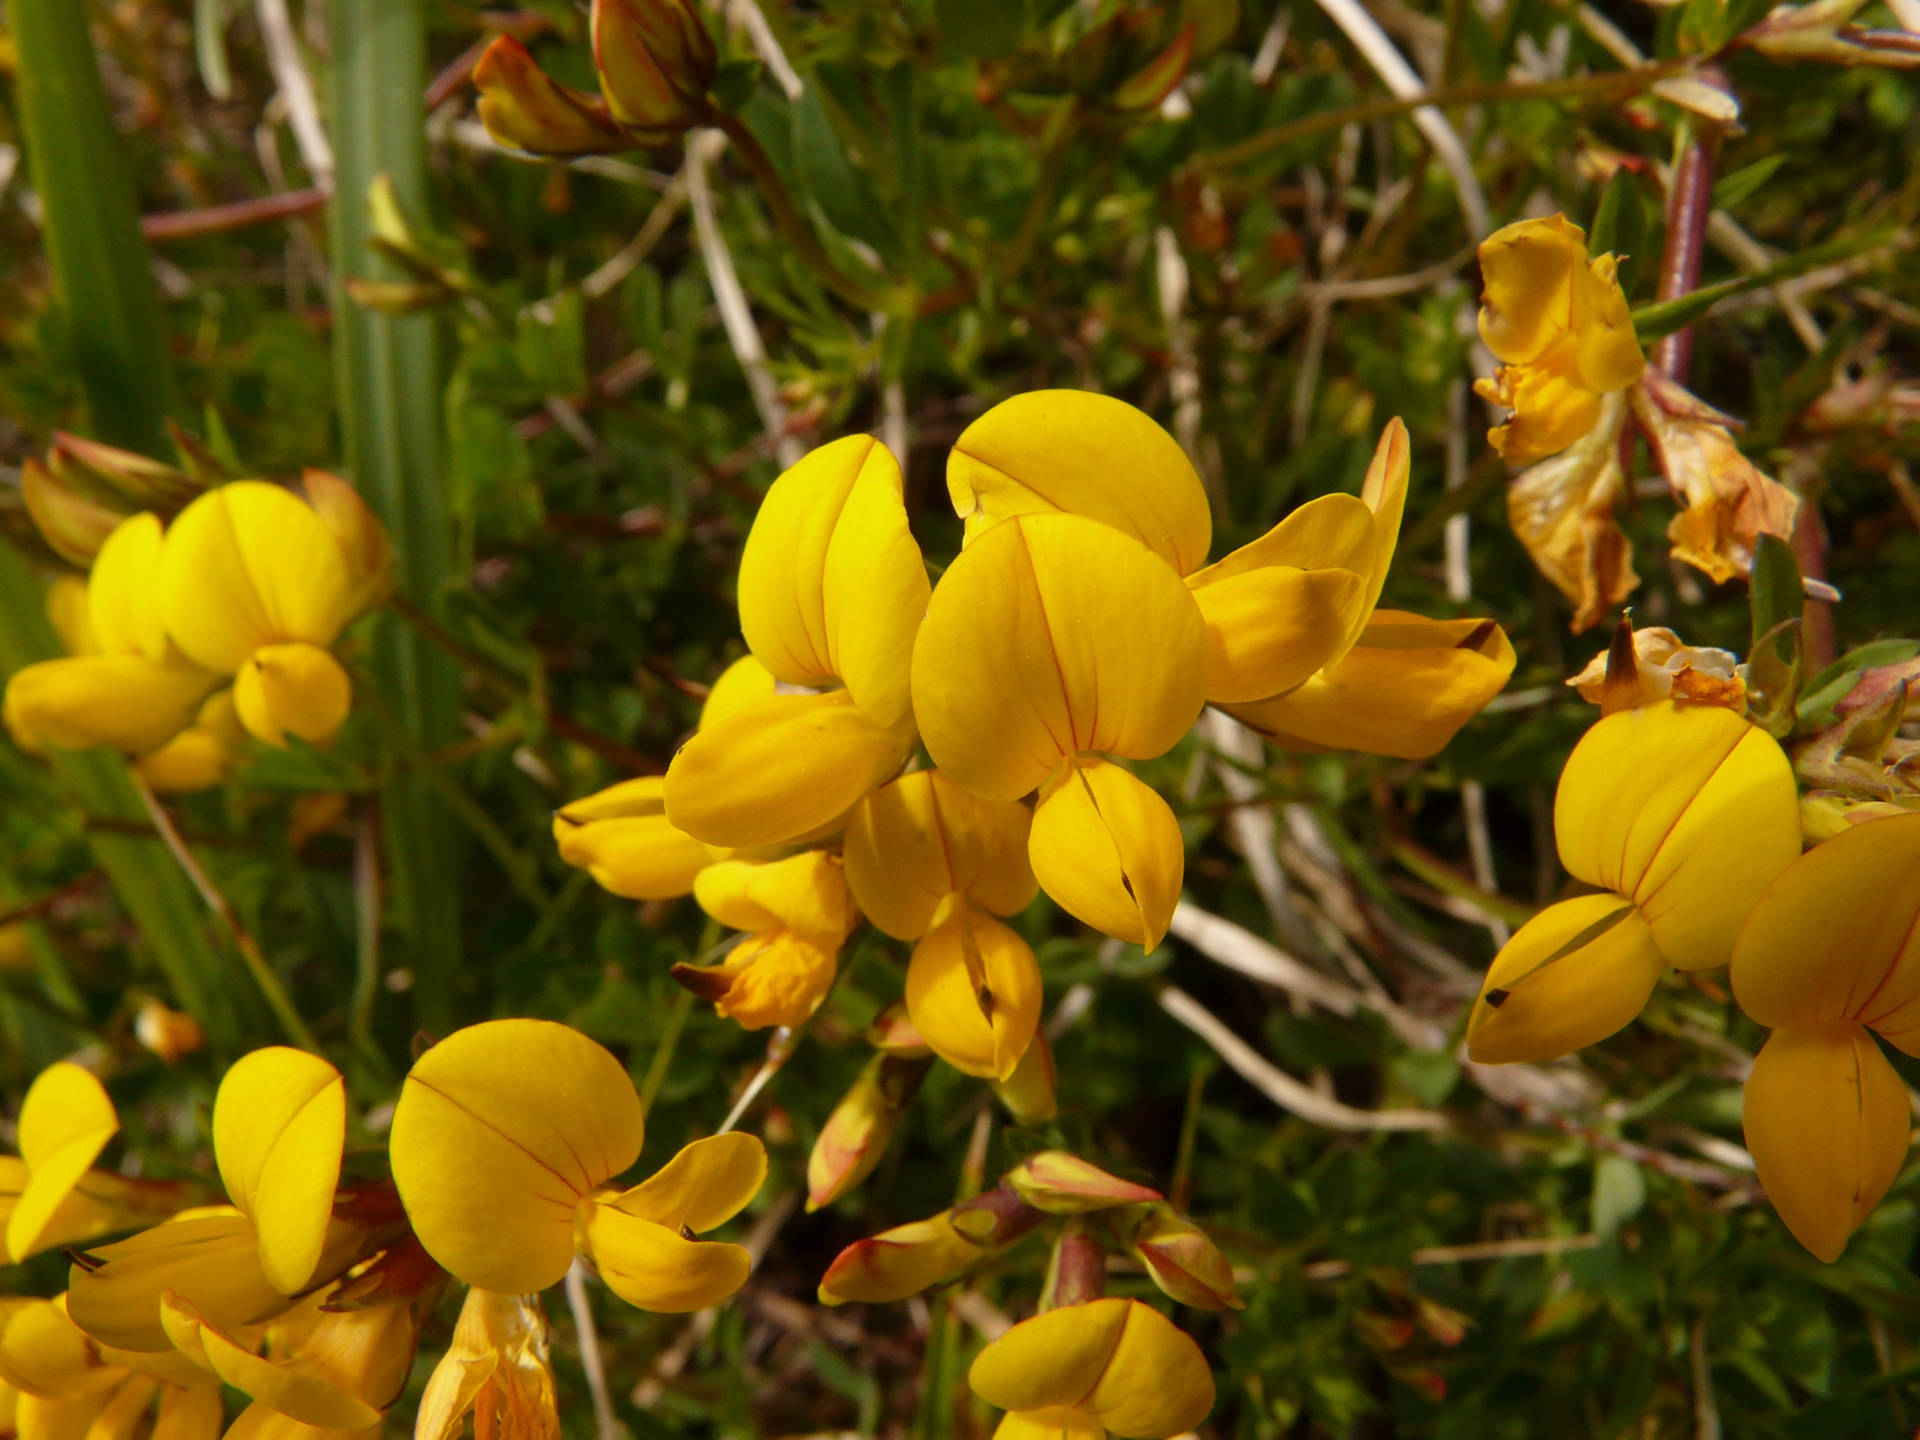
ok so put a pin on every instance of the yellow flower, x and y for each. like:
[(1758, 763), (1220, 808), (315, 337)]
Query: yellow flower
[(200, 756), (1830, 953), (1559, 321), (930, 862), (69, 1388), (52, 1196), (504, 1139), (1085, 1371), (126, 685), (796, 913), (1680, 815), (831, 589), (497, 1370), (256, 583)]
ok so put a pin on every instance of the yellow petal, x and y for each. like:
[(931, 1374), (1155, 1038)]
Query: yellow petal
[(188, 1412), (67, 604), (43, 1353), (303, 1397), (1834, 938), (780, 769), (210, 1257), (279, 1122), (195, 759), (1686, 809), (832, 586), (296, 689), (1083, 454), (1826, 1118), (658, 1269), (1385, 492), (1056, 1422), (775, 977), (66, 1120), (120, 592), (1270, 628), (248, 565), (914, 841), (364, 547), (500, 1130), (496, 1368), (121, 701), (1609, 351), (706, 1184), (1056, 1358), (1053, 634), (1571, 976), (1405, 690), (1108, 850), (973, 989), (805, 893), (742, 683), (1156, 1383), (1529, 268), (1552, 406), (622, 837)]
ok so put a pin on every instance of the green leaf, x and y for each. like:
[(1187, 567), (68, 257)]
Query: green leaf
[(1620, 224), (1651, 322), (1776, 590), (980, 29), (1826, 689), (1734, 189), (1619, 1191), (828, 178)]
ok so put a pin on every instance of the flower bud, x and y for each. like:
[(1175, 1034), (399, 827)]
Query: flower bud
[(73, 525), (1182, 1261), (525, 108), (856, 1133), (656, 60), (1063, 1184)]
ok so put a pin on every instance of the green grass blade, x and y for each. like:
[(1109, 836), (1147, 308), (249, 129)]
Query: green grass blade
[(390, 411)]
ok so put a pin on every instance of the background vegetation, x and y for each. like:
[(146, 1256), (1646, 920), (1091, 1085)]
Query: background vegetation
[(605, 364)]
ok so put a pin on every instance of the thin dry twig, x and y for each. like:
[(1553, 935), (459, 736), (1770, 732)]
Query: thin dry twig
[(296, 90), (591, 1359)]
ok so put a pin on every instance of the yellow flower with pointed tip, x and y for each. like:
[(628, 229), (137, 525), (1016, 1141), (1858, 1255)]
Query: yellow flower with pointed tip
[(930, 862), (504, 1140), (257, 584), (796, 913), (1829, 958), (126, 685), (1558, 320), (497, 1370), (1052, 642), (1680, 815), (832, 588), (1103, 1367)]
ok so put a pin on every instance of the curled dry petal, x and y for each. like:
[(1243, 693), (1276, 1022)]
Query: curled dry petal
[(1561, 509)]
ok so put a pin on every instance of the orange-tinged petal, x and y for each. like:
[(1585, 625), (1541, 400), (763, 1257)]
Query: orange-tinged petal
[(1405, 690), (1107, 849), (500, 1130), (832, 586), (120, 591), (121, 701), (779, 769), (1835, 937), (973, 990), (1686, 809), (1530, 269), (496, 1368), (706, 1184), (303, 1397), (1083, 454), (897, 1263), (1561, 509), (74, 525), (806, 893), (658, 1269), (212, 1257), (1571, 976), (247, 565), (1826, 1118), (776, 977), (66, 1120), (1053, 634), (362, 539), (279, 1123), (524, 108), (920, 838), (295, 689)]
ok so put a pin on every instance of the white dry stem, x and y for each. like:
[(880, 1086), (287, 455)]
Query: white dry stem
[(747, 15), (296, 89), (1392, 68), (605, 1425), (742, 334), (1281, 1088)]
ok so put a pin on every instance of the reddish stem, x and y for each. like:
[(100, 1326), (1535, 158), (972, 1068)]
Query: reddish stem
[(190, 224), (1689, 206)]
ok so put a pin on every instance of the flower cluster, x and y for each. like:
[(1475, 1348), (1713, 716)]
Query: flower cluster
[(1571, 372), (306, 1290), (1685, 818), (190, 634), (1079, 628)]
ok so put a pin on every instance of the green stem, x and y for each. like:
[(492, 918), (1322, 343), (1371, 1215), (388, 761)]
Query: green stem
[(390, 406), (663, 1053), (1062, 127), (791, 224), (90, 225)]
